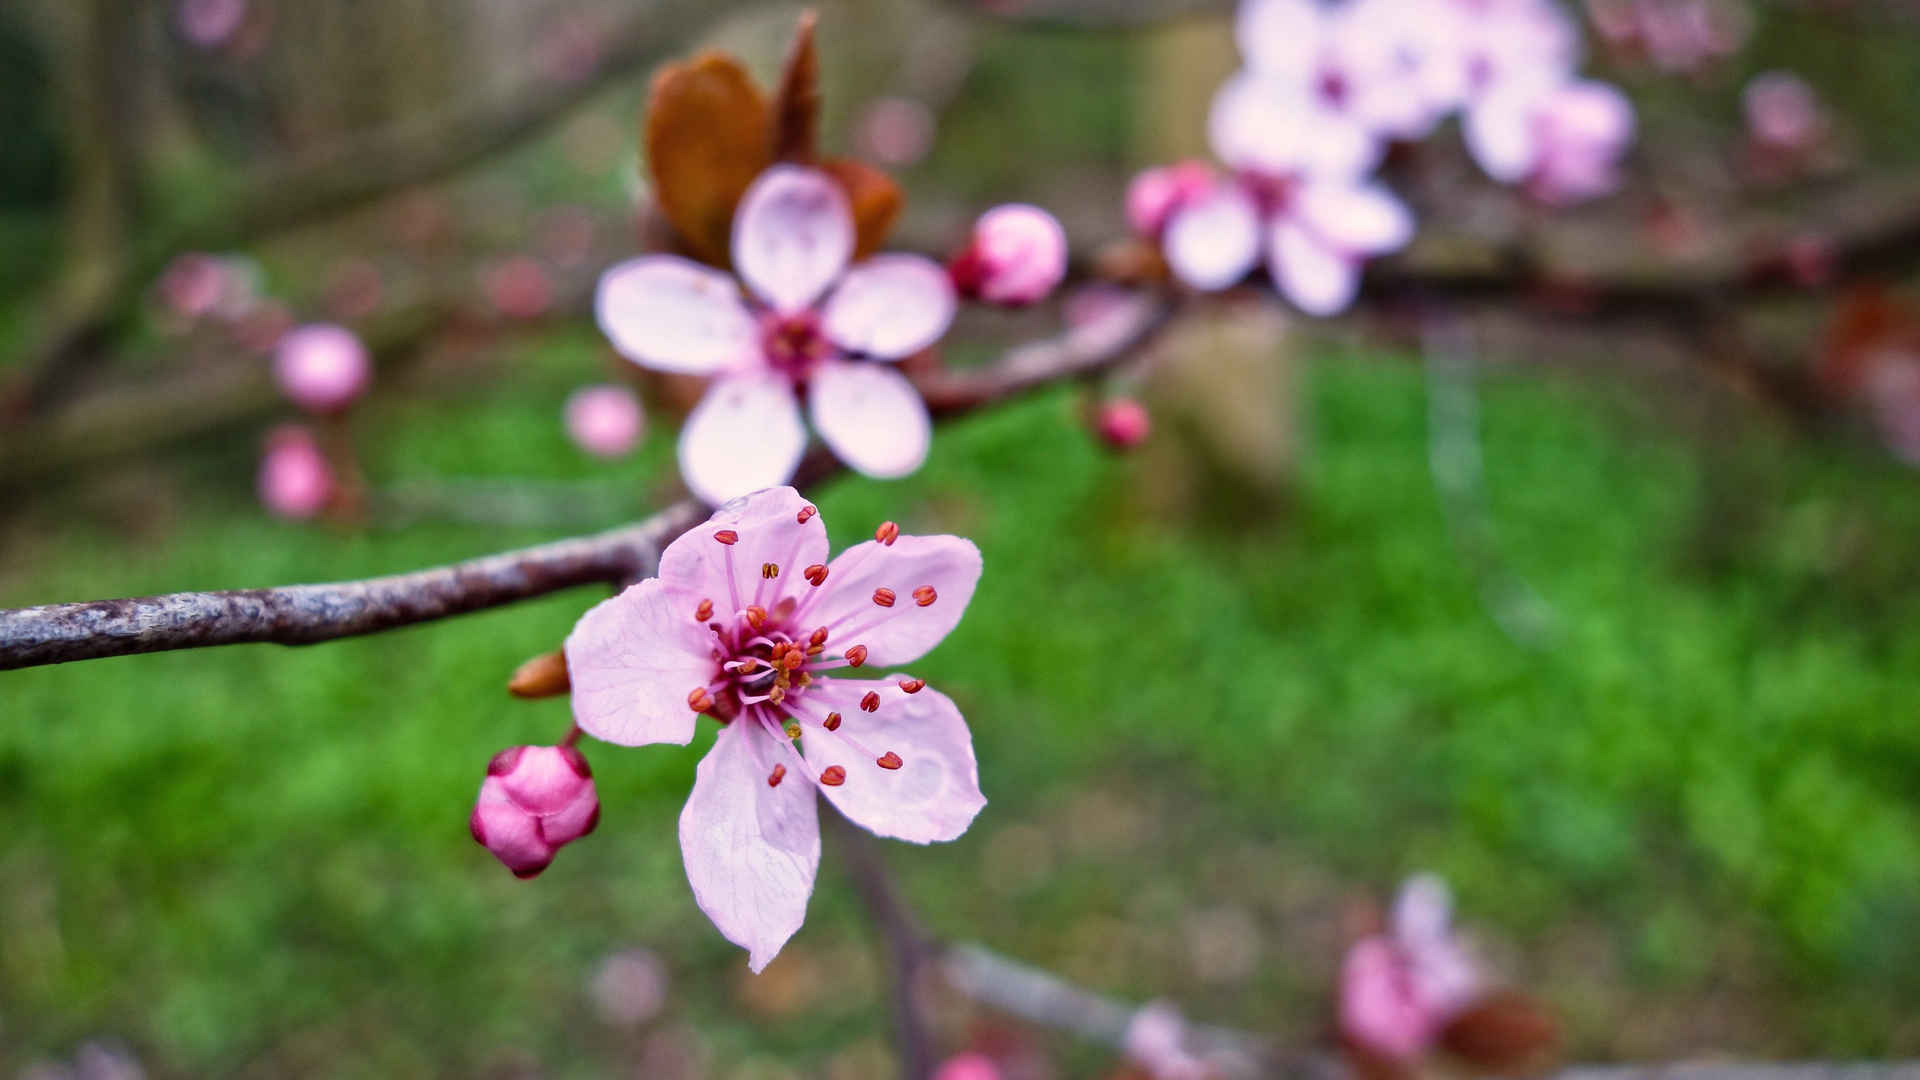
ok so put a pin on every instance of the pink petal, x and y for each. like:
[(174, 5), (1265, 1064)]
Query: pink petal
[(750, 849), (900, 634), (934, 794), (512, 834), (546, 780), (767, 527), (1593, 116), (744, 435), (321, 367), (792, 236), (1422, 911), (572, 821), (890, 306), (605, 421), (672, 314), (1215, 241), (871, 416), (1319, 279), (633, 659), (1501, 135), (1378, 1009), (1255, 124), (1360, 220), (1281, 36)]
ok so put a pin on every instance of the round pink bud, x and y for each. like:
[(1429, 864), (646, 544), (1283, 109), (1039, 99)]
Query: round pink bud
[(1123, 423), (1782, 112), (295, 480), (520, 288), (605, 421), (1017, 256), (1156, 193), (192, 284), (321, 367), (210, 23), (967, 1067), (534, 801)]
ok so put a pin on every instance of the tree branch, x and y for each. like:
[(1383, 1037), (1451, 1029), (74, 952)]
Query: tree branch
[(908, 948)]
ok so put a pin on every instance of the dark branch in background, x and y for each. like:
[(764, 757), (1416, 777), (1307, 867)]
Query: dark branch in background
[(304, 614), (907, 945)]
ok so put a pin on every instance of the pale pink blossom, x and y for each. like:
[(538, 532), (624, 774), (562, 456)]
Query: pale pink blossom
[(897, 131), (967, 1067), (1123, 423), (321, 367), (1399, 989), (605, 421), (812, 324), (519, 287), (534, 801), (1017, 256), (745, 623), (1157, 1039), (1156, 193), (1563, 142), (295, 480), (1783, 114), (210, 23)]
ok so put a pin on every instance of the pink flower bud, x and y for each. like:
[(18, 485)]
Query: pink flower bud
[(1156, 193), (520, 288), (192, 284), (1782, 112), (321, 367), (211, 23), (605, 421), (967, 1067), (534, 801), (295, 480), (1123, 423), (1379, 1009), (896, 131), (1017, 255)]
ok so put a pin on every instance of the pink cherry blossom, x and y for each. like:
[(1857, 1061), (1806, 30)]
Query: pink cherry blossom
[(534, 801), (967, 1067), (1017, 255), (295, 480), (605, 421), (321, 367), (745, 623), (812, 324), (1783, 114), (1156, 193), (1399, 989), (1564, 142)]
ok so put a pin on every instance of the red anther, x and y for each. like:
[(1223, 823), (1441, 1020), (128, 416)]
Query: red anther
[(833, 721), (716, 628), (833, 776), (856, 656), (704, 612), (925, 596), (756, 616), (887, 533), (883, 597), (779, 773), (727, 537), (748, 666), (793, 659), (870, 703), (805, 515), (913, 686), (815, 650), (818, 637), (769, 570), (889, 760), (699, 700), (816, 574)]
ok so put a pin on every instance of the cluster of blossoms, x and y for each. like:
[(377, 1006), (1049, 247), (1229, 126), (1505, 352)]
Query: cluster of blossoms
[(749, 623), (1327, 88), (1672, 35), (323, 369), (1400, 989)]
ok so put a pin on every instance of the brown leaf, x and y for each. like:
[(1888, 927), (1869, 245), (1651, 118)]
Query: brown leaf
[(543, 676), (875, 198), (1504, 1032), (707, 138), (796, 105)]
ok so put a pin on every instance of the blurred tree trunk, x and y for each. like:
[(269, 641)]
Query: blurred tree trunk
[(95, 39)]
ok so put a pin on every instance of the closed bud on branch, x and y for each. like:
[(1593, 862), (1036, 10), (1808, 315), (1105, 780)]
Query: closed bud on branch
[(543, 676), (534, 801)]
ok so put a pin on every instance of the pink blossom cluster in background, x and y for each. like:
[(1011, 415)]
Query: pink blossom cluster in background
[(1398, 989), (1671, 35), (295, 480), (323, 369), (1327, 87), (605, 421)]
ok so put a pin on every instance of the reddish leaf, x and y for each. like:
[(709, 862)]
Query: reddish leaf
[(796, 105), (707, 138), (876, 201)]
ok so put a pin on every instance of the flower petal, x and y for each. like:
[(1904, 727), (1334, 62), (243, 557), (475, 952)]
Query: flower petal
[(902, 633), (1317, 278), (890, 306), (1361, 220), (750, 849), (792, 236), (768, 528), (1378, 1008), (1274, 127), (1215, 241), (1280, 36), (1501, 134), (632, 660), (672, 314), (744, 435), (871, 416), (933, 795)]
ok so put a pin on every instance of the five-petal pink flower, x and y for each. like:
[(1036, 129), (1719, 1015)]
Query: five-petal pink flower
[(811, 324), (744, 623)]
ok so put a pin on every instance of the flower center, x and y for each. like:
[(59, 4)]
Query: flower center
[(1271, 193), (793, 343), (1333, 86)]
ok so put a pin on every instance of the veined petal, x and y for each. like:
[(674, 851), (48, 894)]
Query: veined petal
[(632, 660), (751, 849), (1215, 241), (792, 236), (1317, 278), (672, 314), (947, 567), (933, 795), (744, 435), (774, 526), (871, 416), (1360, 219), (890, 306)]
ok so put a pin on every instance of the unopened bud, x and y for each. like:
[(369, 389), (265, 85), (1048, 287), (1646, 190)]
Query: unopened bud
[(321, 367), (1123, 423), (534, 801), (543, 676), (1016, 256), (1155, 194)]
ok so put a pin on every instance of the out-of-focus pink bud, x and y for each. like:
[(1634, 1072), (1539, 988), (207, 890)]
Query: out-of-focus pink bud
[(1123, 423), (1155, 194), (1017, 256), (210, 23), (321, 367), (520, 288), (1379, 1009), (192, 284), (1782, 112), (967, 1067), (630, 988), (295, 480), (534, 801), (896, 131), (605, 421)]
